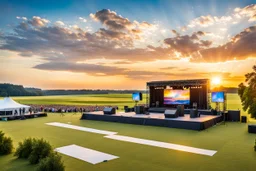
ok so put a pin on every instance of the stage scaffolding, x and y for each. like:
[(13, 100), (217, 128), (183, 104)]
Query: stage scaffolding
[(195, 83)]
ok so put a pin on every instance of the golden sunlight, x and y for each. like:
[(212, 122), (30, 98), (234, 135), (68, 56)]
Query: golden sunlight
[(216, 80)]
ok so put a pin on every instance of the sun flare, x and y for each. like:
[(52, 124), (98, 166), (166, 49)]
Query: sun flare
[(216, 81)]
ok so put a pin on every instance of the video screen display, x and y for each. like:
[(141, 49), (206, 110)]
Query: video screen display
[(136, 96), (176, 97), (218, 97)]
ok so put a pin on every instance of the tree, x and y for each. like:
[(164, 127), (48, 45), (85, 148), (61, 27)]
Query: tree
[(248, 93)]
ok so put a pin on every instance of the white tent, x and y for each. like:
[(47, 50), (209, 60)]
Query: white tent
[(10, 107)]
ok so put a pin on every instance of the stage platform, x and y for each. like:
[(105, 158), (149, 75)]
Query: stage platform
[(156, 119), (26, 116)]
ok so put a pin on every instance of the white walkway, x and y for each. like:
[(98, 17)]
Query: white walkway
[(163, 145), (85, 154), (80, 128), (111, 135)]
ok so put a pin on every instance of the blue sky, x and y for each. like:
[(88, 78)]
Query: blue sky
[(171, 12), (125, 41)]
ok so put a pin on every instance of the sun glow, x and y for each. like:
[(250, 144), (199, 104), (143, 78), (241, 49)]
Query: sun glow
[(216, 81)]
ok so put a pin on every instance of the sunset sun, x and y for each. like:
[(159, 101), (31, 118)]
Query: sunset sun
[(216, 80)]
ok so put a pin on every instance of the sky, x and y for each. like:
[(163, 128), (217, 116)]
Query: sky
[(80, 44)]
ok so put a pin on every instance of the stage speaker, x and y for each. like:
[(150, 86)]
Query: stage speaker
[(126, 109), (244, 119), (139, 109), (194, 113), (109, 111), (180, 109), (233, 115), (171, 113)]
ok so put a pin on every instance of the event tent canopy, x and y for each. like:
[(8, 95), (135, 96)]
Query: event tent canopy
[(7, 104)]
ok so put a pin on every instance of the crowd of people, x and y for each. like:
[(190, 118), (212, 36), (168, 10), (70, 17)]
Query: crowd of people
[(65, 108)]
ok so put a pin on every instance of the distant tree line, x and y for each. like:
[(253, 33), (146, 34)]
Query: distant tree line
[(226, 89), (88, 91), (18, 90)]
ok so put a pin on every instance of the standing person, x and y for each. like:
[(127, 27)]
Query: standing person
[(23, 111), (20, 111)]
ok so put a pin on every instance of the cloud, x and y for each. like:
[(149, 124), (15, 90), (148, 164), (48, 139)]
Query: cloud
[(91, 69), (82, 19), (204, 21), (186, 44), (175, 32), (54, 43), (246, 12), (115, 22), (21, 18), (111, 20), (38, 21), (59, 23), (99, 70), (240, 47)]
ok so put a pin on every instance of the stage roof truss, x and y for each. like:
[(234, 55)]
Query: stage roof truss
[(198, 82)]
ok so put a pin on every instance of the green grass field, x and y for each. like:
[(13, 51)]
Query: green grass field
[(234, 145)]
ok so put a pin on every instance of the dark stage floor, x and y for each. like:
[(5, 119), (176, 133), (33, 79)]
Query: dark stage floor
[(156, 119)]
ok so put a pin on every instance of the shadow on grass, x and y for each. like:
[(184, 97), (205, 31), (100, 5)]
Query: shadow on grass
[(19, 164)]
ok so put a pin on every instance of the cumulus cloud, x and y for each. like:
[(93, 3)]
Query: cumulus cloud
[(186, 44), (208, 20), (240, 47), (38, 21), (53, 43), (59, 23), (248, 12), (116, 22), (82, 19), (111, 20)]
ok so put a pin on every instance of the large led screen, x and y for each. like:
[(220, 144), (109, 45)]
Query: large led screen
[(136, 96), (218, 97), (176, 97)]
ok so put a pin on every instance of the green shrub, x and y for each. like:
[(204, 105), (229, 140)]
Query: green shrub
[(51, 163), (40, 149), (25, 148), (6, 145)]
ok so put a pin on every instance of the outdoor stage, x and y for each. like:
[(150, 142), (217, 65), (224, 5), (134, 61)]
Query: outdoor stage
[(156, 119)]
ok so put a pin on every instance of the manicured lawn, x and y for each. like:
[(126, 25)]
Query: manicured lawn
[(233, 143)]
